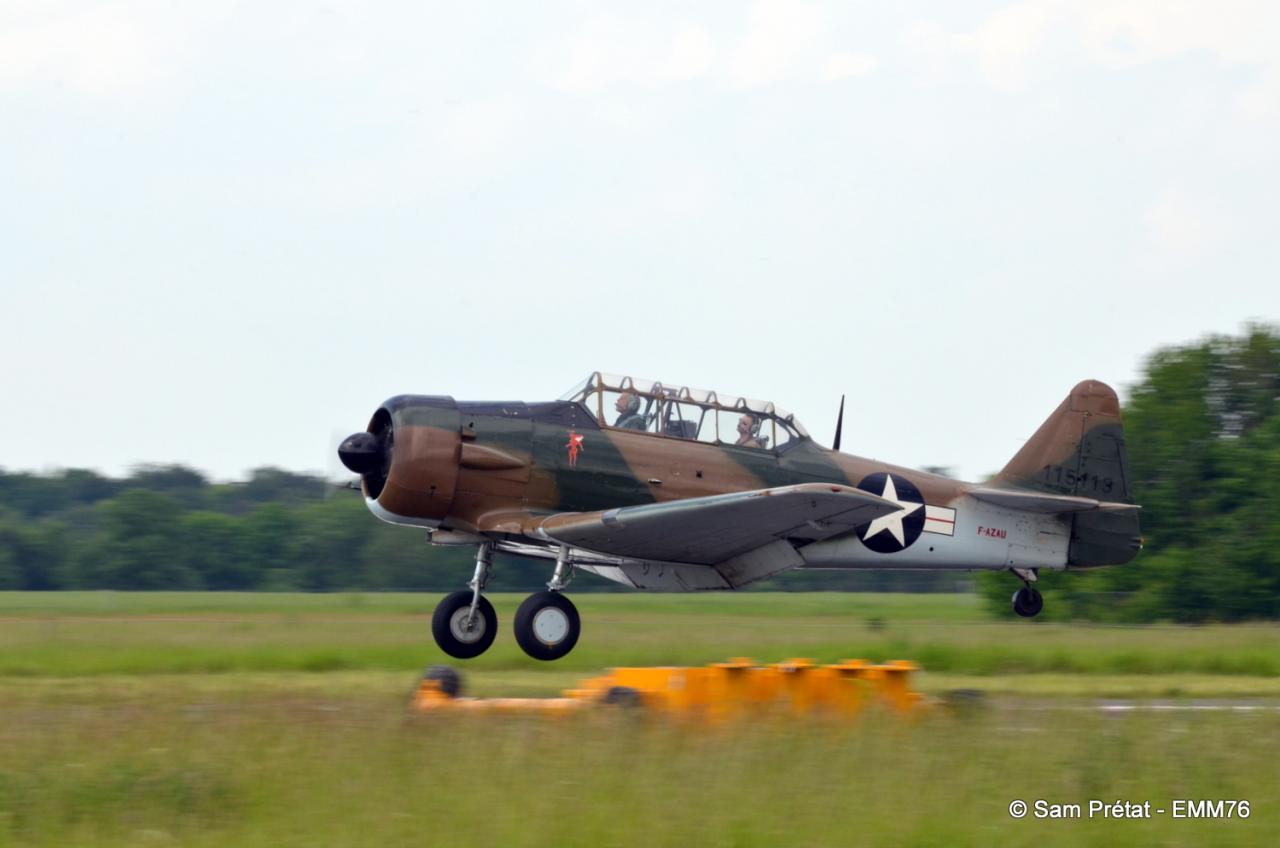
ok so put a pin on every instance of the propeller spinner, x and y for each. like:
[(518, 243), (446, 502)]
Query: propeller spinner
[(361, 453)]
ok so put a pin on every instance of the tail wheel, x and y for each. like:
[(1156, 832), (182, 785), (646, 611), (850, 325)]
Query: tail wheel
[(547, 625), (459, 637)]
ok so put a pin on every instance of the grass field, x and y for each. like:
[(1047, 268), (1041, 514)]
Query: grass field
[(262, 719), (78, 634)]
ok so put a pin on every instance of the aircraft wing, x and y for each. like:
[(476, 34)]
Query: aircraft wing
[(1044, 501), (713, 529)]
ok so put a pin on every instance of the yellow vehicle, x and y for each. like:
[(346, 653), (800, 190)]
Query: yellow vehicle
[(713, 693)]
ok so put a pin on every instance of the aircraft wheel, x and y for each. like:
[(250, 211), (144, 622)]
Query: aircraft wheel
[(449, 625), (547, 625), (1027, 602)]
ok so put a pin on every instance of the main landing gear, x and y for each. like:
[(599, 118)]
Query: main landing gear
[(1027, 601), (464, 623), (546, 624)]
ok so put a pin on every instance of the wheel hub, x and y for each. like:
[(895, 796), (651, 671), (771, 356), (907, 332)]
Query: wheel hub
[(550, 625), (464, 630)]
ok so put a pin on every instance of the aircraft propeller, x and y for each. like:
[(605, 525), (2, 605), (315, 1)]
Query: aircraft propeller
[(336, 477), (369, 455), (361, 453)]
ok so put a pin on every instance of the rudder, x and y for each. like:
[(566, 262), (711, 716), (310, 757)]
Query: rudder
[(1080, 450)]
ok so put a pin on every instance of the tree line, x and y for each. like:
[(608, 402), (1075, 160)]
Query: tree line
[(169, 527)]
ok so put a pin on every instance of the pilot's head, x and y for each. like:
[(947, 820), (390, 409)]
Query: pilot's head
[(627, 403), (747, 425)]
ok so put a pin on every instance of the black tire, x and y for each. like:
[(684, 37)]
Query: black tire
[(447, 620), (565, 629), (1027, 602)]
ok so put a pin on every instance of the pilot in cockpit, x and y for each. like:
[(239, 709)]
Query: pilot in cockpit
[(749, 432), (628, 407)]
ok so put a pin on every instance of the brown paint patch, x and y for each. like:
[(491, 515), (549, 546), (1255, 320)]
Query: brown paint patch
[(424, 472), (935, 490), (511, 522), (677, 464), (1095, 397), (1057, 441)]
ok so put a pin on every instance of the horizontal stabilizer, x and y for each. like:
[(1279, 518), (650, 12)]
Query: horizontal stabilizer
[(1044, 501)]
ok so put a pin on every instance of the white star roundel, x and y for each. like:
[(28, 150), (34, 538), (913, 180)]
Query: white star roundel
[(896, 531)]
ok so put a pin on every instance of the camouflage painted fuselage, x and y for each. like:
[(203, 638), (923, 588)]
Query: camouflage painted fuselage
[(497, 470)]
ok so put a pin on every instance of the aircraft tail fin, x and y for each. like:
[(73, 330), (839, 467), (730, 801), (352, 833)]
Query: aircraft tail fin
[(1079, 450)]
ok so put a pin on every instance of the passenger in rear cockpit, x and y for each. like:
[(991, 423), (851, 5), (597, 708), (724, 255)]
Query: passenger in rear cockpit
[(749, 432)]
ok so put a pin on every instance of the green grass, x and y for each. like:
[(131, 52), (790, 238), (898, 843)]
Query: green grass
[(280, 771), (81, 634), (200, 719)]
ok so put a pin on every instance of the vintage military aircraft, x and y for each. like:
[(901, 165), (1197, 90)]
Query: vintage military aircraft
[(670, 488)]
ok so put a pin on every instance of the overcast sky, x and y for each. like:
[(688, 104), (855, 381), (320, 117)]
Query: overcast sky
[(229, 230)]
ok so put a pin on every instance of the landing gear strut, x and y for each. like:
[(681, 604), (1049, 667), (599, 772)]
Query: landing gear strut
[(547, 625), (464, 623), (1027, 601)]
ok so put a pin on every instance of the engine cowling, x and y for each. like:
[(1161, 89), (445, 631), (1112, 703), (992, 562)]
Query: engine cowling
[(408, 457)]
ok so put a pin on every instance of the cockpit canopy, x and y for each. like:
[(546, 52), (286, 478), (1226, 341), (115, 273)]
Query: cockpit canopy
[(664, 409)]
